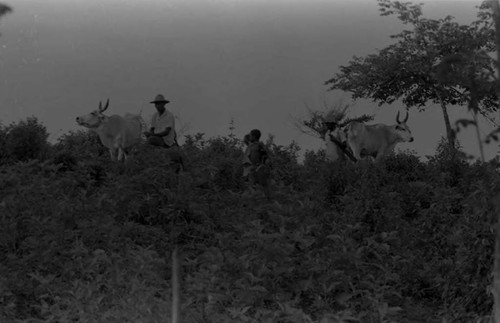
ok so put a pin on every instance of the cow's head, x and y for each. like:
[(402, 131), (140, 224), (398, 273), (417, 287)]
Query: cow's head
[(402, 129), (94, 118)]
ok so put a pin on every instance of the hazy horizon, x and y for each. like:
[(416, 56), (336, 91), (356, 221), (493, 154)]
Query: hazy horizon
[(255, 62)]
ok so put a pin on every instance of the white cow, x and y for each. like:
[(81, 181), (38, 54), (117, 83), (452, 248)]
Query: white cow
[(376, 140), (118, 134), (332, 150)]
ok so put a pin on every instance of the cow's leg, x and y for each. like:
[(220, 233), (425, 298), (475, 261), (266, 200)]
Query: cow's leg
[(356, 151), (126, 153), (156, 141), (121, 154), (112, 152), (381, 153)]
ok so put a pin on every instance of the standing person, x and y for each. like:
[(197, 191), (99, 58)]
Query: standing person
[(257, 151), (260, 171), (162, 131)]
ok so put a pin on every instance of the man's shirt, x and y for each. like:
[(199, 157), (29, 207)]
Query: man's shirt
[(161, 123)]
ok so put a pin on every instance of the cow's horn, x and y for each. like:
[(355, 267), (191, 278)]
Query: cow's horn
[(101, 108), (397, 118)]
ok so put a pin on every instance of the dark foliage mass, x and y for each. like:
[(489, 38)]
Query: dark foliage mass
[(23, 141), (4, 9), (431, 60), (84, 239)]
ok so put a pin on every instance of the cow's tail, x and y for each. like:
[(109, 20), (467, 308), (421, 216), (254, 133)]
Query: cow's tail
[(143, 127), (142, 124)]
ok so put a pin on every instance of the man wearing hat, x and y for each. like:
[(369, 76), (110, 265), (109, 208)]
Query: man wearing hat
[(162, 131)]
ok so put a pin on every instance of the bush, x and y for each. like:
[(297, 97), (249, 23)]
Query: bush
[(284, 163), (81, 144), (83, 238), (24, 141)]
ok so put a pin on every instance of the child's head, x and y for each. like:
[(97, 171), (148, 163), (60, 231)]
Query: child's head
[(246, 139), (255, 135)]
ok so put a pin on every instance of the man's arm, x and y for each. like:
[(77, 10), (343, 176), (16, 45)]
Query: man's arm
[(150, 133), (169, 123), (164, 133)]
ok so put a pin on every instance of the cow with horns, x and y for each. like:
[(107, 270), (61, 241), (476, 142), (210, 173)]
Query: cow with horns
[(117, 133), (376, 140)]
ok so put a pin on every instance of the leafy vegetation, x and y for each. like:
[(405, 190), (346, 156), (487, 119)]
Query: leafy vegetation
[(85, 239), (4, 9), (23, 141), (438, 61), (315, 122)]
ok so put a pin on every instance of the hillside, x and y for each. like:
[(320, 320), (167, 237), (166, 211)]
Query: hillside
[(87, 240)]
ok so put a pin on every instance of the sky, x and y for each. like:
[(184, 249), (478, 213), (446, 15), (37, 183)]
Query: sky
[(258, 63)]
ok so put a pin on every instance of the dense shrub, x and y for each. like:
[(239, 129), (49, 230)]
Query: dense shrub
[(83, 238), (3, 139), (441, 225), (82, 145), (284, 161), (23, 141)]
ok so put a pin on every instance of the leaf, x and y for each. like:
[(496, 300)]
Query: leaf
[(382, 309), (343, 298), (334, 237), (394, 310), (44, 280), (258, 288), (332, 286)]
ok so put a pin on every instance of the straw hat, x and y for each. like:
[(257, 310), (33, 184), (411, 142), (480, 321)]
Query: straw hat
[(160, 99)]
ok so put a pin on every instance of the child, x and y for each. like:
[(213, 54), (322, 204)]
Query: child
[(257, 151), (259, 172)]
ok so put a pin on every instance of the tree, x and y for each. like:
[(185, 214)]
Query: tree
[(412, 69), (495, 9), (4, 9), (24, 140)]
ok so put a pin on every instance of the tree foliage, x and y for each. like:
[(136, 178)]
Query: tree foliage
[(4, 9), (23, 141), (412, 68), (317, 121), (437, 60)]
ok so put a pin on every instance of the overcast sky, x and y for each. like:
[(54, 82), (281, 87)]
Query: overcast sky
[(258, 62)]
